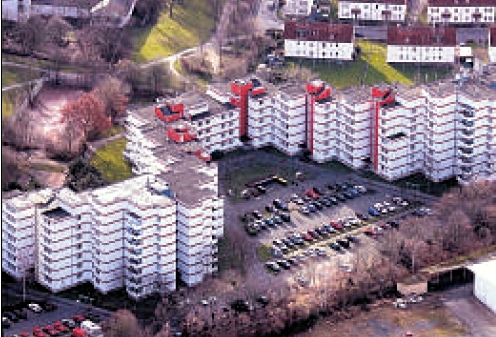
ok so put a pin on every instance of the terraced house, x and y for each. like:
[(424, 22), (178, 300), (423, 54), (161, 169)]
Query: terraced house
[(461, 12), (367, 10)]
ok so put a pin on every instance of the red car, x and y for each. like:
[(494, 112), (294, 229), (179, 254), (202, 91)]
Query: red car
[(50, 330), (60, 327), (370, 232), (385, 225), (311, 194), (78, 318), (336, 225), (306, 237), (24, 334), (38, 333)]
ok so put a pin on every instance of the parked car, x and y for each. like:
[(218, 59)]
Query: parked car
[(363, 217), (317, 190), (306, 237), (276, 251), (394, 224), (335, 246), (370, 232), (277, 220), (273, 266), (288, 243), (240, 305), (285, 216), (374, 212), (251, 229), (37, 332), (352, 238), (11, 316), (280, 204), (35, 307), (49, 330), (326, 202), (361, 189), (334, 200), (68, 323), (320, 231), (6, 323), (354, 192), (343, 243), (296, 239), (340, 197), (311, 193), (261, 189), (78, 318), (313, 234), (280, 245), (257, 215), (329, 228), (348, 194), (263, 300), (284, 264), (269, 222), (311, 207), (299, 201), (304, 210), (336, 225), (269, 208), (317, 205), (260, 224)]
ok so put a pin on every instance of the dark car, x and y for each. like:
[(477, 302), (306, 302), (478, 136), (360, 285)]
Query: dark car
[(352, 238), (320, 231), (11, 316), (284, 264), (306, 198), (277, 220), (394, 224), (285, 216), (257, 215), (335, 246), (332, 186), (273, 266), (280, 205), (251, 229), (334, 200), (348, 194), (374, 212), (269, 222), (354, 191), (263, 300), (68, 323), (329, 229), (288, 243), (340, 197), (296, 239), (326, 202), (311, 207), (260, 188), (292, 261), (318, 190), (317, 205), (261, 224), (343, 243), (5, 323), (313, 234), (363, 217), (269, 208)]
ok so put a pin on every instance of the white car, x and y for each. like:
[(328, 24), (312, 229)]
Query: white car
[(404, 203), (304, 210), (361, 189), (391, 209), (35, 307)]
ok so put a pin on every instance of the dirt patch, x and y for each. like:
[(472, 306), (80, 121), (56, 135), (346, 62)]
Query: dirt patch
[(427, 319)]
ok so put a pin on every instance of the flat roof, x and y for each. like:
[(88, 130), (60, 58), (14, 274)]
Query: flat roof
[(56, 213)]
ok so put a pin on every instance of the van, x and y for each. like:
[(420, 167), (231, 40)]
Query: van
[(91, 329)]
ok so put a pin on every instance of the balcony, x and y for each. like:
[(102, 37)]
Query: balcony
[(465, 160), (134, 231), (135, 251), (469, 142), (135, 280), (133, 260), (133, 242), (467, 123), (467, 132), (467, 113), (466, 150), (133, 270)]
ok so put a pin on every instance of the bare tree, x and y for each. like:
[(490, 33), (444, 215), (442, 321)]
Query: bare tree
[(159, 77), (123, 323), (30, 34), (112, 92)]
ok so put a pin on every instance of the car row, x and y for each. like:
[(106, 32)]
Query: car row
[(16, 313), (386, 207)]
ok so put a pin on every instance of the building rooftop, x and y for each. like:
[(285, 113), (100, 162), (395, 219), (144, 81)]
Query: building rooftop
[(353, 95), (292, 89), (318, 31), (421, 36), (460, 3), (394, 2), (57, 213)]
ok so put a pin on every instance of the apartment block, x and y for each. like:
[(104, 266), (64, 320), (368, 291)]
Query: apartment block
[(297, 7), (367, 10), (461, 11), (319, 40), (492, 45), (421, 45)]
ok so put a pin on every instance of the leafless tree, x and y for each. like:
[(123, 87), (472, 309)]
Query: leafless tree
[(30, 34), (113, 93), (159, 77)]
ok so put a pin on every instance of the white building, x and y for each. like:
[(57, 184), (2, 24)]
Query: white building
[(297, 7), (485, 283), (367, 10), (18, 10), (319, 40), (492, 45), (461, 11), (421, 44)]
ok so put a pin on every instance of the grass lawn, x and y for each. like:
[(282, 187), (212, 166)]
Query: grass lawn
[(109, 160), (12, 75), (10, 100), (263, 253), (371, 66), (47, 167), (190, 23)]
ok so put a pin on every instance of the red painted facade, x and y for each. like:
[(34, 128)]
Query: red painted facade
[(180, 134), (241, 89), (175, 112), (381, 97), (316, 91)]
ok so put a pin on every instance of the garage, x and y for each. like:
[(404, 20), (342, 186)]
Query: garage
[(485, 283)]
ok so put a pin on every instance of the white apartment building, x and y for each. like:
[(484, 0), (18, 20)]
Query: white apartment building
[(421, 44), (492, 45), (319, 40), (367, 10), (19, 10), (297, 7), (461, 11)]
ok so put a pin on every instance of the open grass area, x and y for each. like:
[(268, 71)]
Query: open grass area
[(12, 75), (10, 100), (371, 67), (110, 161), (47, 167), (191, 23), (39, 63), (263, 253)]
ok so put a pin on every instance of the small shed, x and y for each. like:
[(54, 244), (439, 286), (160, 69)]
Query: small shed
[(485, 283)]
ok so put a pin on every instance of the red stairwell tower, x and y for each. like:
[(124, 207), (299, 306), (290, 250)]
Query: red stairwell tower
[(380, 97), (241, 89), (316, 91)]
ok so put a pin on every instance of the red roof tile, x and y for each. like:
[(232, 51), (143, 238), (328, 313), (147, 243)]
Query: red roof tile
[(318, 31), (421, 36), (492, 33), (461, 3), (393, 2)]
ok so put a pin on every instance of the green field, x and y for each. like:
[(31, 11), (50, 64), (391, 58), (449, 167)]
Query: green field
[(10, 100), (12, 75), (371, 67), (110, 161), (191, 23)]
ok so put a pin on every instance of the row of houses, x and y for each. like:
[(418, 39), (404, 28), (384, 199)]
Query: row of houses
[(405, 44), (451, 12)]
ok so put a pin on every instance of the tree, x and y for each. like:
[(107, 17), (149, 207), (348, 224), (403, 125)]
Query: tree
[(112, 92), (88, 114), (128, 71), (112, 43), (159, 76), (149, 10), (30, 34), (124, 324), (57, 31)]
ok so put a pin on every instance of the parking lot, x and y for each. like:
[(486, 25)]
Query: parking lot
[(65, 309)]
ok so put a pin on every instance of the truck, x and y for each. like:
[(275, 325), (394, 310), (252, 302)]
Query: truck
[(91, 329)]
